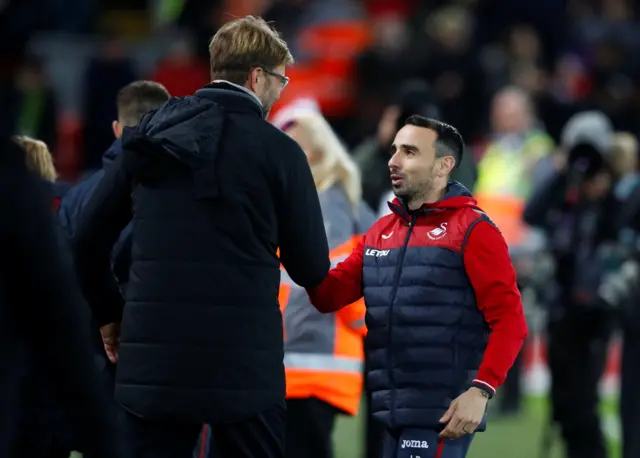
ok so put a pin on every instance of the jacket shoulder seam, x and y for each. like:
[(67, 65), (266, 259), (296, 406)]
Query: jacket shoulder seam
[(482, 216)]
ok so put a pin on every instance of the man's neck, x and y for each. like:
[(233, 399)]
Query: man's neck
[(243, 88), (429, 198)]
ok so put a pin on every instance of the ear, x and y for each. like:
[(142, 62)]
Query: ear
[(253, 79), (117, 129), (446, 166)]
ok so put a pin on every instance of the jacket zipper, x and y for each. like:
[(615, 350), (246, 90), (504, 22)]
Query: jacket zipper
[(394, 291)]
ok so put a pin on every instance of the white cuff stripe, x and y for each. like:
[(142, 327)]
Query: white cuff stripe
[(493, 390)]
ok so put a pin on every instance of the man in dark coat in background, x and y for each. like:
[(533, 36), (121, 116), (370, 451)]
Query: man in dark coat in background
[(42, 314), (213, 191), (133, 101)]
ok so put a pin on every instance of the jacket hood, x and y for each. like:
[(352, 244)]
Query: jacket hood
[(110, 155), (456, 196), (186, 128)]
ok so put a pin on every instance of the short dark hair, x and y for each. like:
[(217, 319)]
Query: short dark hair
[(137, 98), (449, 142)]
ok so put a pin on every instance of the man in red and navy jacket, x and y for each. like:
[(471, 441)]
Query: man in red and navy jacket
[(444, 314)]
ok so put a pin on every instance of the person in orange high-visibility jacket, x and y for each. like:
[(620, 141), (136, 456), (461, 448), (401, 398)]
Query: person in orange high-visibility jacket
[(323, 353)]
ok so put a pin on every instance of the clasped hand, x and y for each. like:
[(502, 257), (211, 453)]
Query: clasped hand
[(110, 334)]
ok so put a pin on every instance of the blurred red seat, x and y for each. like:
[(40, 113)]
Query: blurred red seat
[(68, 155)]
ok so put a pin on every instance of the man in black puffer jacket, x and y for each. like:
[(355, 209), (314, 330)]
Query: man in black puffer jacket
[(213, 191)]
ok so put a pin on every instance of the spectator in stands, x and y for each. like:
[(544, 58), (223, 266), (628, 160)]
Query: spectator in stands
[(181, 72), (213, 191), (383, 66), (202, 20), (104, 76), (29, 106), (516, 138), (452, 67), (515, 157)]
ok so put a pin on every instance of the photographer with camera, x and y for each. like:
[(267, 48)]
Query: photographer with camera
[(574, 207)]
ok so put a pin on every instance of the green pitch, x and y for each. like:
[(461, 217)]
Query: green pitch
[(513, 437)]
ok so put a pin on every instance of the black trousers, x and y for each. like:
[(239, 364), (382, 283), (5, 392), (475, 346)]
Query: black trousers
[(629, 393), (578, 344), (261, 436), (309, 428)]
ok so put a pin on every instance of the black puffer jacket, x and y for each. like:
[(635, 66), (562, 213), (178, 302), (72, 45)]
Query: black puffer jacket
[(213, 191)]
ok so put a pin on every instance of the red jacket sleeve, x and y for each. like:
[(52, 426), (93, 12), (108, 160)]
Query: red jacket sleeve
[(342, 286), (489, 268)]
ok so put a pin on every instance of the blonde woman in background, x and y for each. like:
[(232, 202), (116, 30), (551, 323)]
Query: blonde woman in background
[(39, 158), (40, 162), (323, 353)]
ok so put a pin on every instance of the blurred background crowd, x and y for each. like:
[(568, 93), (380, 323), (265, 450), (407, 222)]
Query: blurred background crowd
[(351, 56), (546, 94)]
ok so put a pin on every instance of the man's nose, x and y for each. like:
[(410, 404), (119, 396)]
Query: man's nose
[(393, 163)]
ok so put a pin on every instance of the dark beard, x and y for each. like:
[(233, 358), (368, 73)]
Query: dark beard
[(418, 193)]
